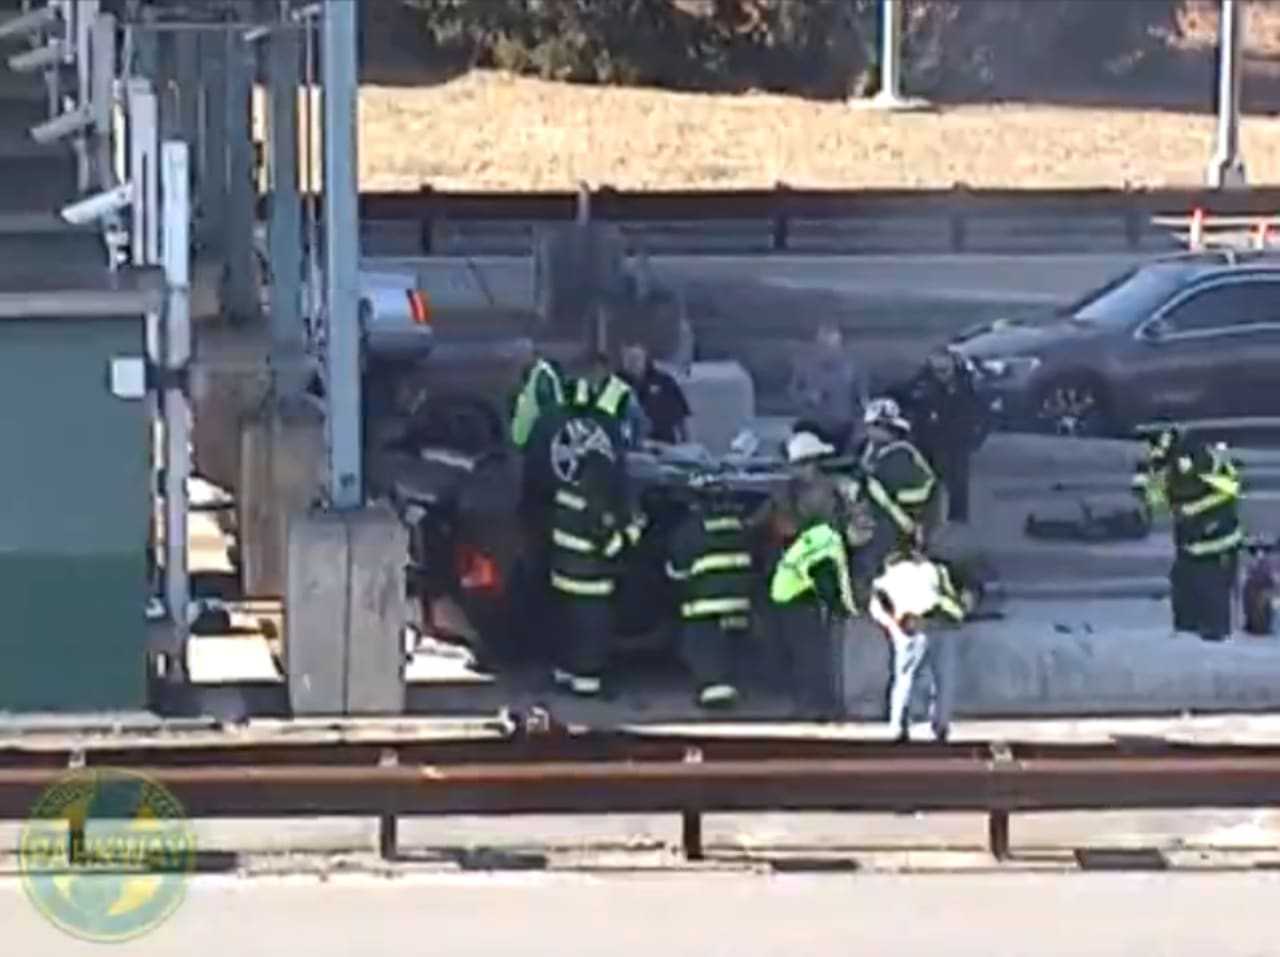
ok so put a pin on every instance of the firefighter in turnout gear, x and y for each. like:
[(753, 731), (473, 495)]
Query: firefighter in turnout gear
[(910, 590), (811, 601), (898, 484), (1200, 486), (709, 559), (589, 534)]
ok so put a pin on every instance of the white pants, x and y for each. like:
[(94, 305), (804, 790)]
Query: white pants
[(908, 654)]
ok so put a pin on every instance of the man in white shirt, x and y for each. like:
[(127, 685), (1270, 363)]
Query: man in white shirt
[(910, 590)]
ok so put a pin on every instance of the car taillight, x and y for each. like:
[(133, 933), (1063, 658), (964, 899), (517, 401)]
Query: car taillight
[(419, 307), (477, 571)]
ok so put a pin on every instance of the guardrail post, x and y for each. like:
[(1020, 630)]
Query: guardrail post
[(958, 221), (781, 221), (388, 824), (691, 835), (427, 227), (582, 211), (998, 834)]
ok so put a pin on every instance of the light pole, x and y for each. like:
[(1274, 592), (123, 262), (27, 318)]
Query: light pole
[(1226, 169), (890, 96)]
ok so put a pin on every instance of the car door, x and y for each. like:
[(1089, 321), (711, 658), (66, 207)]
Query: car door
[(1197, 357)]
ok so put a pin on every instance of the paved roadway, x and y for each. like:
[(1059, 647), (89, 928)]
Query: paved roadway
[(703, 914)]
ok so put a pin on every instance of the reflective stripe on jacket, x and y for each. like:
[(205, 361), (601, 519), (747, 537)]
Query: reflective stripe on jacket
[(710, 560), (585, 544), (901, 483), (1204, 497)]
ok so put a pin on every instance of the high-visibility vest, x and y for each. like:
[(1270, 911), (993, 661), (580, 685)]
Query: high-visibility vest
[(611, 401), (528, 406), (1204, 496), (712, 564), (793, 576)]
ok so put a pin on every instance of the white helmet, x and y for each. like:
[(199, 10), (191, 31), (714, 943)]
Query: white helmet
[(804, 446), (885, 412)]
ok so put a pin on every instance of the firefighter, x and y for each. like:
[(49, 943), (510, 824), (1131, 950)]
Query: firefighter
[(589, 533), (909, 590), (1200, 486), (899, 486), (709, 559), (811, 601)]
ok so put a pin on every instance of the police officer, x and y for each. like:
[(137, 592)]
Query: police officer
[(948, 419), (589, 534), (908, 591), (709, 558), (811, 602), (898, 484), (1200, 486)]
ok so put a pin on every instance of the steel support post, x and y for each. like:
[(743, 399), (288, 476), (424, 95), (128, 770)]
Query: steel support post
[(242, 293), (691, 835), (284, 228), (86, 11), (177, 355), (187, 76), (998, 834), (102, 93), (1226, 169), (891, 50), (341, 254), (213, 141)]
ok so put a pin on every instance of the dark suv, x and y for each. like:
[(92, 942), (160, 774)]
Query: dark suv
[(1186, 338)]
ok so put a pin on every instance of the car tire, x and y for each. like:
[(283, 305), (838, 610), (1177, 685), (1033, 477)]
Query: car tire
[(461, 423), (1076, 406)]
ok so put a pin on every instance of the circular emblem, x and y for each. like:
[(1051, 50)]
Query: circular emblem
[(120, 869), (573, 441)]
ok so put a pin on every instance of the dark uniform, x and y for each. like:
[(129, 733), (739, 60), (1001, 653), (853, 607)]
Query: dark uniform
[(1201, 488), (663, 401), (710, 559), (899, 485), (588, 536), (812, 600), (947, 418)]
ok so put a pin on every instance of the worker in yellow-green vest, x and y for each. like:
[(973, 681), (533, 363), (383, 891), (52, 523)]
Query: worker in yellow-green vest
[(607, 397), (542, 388), (590, 530), (709, 559), (812, 601)]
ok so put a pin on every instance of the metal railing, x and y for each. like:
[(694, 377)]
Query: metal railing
[(555, 772), (782, 219)]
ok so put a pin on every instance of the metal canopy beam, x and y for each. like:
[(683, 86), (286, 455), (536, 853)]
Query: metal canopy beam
[(284, 228), (341, 254)]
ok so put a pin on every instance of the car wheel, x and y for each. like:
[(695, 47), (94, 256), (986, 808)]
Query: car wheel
[(1075, 406), (462, 424)]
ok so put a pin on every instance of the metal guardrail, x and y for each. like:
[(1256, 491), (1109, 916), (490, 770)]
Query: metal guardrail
[(607, 773), (797, 220)]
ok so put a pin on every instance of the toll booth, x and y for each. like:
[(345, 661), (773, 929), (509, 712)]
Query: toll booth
[(74, 487)]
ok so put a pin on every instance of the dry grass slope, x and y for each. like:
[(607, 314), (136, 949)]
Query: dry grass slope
[(493, 131)]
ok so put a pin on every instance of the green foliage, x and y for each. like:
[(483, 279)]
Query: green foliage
[(815, 47)]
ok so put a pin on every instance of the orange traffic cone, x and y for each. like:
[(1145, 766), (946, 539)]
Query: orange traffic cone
[(1260, 236)]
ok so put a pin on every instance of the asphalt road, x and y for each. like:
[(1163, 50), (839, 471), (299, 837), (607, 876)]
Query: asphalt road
[(702, 914)]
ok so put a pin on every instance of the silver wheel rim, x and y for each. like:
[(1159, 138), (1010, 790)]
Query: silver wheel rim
[(1068, 408)]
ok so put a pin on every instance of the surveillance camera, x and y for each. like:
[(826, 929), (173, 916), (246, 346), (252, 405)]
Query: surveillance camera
[(29, 23), (98, 206), (67, 124), (41, 58)]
